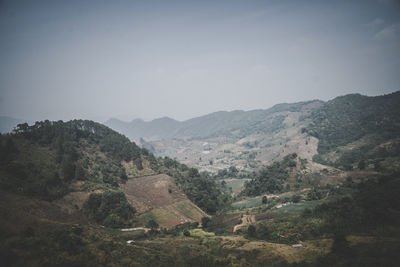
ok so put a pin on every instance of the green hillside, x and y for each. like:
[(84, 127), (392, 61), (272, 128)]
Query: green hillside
[(50, 159), (364, 124)]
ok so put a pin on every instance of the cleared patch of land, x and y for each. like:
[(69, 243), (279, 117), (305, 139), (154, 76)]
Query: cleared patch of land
[(237, 185), (246, 220), (158, 197)]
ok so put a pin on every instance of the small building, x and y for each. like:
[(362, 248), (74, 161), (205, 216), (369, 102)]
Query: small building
[(297, 246)]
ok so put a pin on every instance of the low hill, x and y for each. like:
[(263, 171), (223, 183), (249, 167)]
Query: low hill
[(82, 169)]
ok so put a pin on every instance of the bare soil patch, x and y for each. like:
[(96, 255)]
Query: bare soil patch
[(246, 220), (150, 192), (158, 196)]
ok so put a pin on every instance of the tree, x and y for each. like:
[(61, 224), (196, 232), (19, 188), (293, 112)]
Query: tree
[(296, 198), (79, 173), (251, 231), (152, 224), (68, 168), (264, 199), (205, 222), (186, 233), (361, 165), (340, 244)]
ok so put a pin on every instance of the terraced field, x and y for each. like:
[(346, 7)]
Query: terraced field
[(158, 197)]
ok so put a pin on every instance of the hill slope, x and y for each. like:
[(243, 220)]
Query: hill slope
[(81, 168), (158, 197), (356, 131)]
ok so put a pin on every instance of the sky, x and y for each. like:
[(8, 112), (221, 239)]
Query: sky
[(96, 60)]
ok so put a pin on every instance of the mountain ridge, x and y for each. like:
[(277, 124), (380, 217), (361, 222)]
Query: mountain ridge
[(203, 126)]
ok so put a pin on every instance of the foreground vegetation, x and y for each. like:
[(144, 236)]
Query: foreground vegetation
[(356, 229)]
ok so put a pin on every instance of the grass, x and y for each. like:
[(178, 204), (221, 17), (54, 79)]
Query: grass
[(168, 216), (200, 233), (236, 184), (298, 208), (248, 203)]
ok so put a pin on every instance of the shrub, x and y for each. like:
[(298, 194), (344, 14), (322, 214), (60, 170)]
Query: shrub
[(109, 208), (251, 231)]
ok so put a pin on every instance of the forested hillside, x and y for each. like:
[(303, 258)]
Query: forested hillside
[(369, 126), (50, 159), (271, 178)]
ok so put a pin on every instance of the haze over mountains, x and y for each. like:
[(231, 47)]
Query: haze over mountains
[(274, 137), (251, 139), (221, 122)]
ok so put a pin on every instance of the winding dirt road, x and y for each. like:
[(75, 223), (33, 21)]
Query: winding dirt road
[(246, 220)]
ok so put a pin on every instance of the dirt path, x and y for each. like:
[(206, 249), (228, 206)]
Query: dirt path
[(246, 220)]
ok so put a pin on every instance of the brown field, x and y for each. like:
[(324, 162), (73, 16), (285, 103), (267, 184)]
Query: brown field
[(157, 196)]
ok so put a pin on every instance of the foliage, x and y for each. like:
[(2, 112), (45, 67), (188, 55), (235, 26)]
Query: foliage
[(264, 200), (199, 187), (65, 135), (29, 169), (251, 231), (152, 224), (205, 222), (348, 118), (43, 159), (374, 204), (109, 208), (271, 178), (70, 150)]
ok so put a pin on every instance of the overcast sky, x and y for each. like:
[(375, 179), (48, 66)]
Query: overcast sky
[(146, 59)]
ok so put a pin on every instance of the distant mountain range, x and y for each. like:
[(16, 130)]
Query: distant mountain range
[(350, 131), (213, 124)]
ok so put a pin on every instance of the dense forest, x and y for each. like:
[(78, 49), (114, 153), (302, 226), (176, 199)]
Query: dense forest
[(368, 120)]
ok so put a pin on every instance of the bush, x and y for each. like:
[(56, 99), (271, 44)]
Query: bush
[(251, 231), (264, 199), (152, 224), (109, 208), (296, 198), (205, 222)]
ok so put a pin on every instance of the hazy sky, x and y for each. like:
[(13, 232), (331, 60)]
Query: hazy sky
[(147, 59)]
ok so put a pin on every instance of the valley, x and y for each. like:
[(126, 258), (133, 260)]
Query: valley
[(227, 189)]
